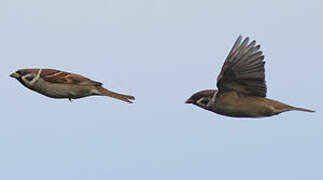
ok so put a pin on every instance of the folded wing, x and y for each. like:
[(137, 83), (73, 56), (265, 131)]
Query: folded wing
[(56, 76)]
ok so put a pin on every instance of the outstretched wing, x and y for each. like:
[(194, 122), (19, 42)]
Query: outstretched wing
[(244, 69), (56, 76)]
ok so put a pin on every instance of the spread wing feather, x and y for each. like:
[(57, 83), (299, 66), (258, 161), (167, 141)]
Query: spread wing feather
[(244, 69)]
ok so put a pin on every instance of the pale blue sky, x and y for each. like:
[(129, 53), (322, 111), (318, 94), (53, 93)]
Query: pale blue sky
[(160, 51)]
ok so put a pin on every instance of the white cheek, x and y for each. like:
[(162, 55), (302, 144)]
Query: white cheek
[(26, 81), (37, 77), (33, 81)]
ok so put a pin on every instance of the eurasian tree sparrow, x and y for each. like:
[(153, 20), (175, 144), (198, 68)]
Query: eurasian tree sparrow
[(59, 84), (241, 86)]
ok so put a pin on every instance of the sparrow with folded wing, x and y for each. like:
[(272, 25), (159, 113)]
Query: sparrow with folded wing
[(241, 86), (59, 84)]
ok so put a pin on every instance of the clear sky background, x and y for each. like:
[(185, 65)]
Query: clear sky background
[(160, 51)]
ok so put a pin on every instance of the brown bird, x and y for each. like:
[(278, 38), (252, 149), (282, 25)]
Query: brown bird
[(241, 86), (59, 84)]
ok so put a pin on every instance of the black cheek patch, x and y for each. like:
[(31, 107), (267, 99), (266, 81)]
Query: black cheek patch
[(205, 102), (29, 78)]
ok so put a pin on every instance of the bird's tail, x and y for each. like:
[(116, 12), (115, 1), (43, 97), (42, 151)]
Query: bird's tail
[(104, 92), (280, 107), (301, 109)]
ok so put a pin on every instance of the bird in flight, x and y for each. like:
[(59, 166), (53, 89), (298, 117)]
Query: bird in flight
[(59, 84), (241, 86)]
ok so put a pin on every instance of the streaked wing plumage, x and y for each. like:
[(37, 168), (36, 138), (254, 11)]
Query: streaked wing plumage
[(56, 76)]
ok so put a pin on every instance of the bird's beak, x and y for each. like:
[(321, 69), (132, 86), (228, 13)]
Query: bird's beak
[(15, 75), (189, 101)]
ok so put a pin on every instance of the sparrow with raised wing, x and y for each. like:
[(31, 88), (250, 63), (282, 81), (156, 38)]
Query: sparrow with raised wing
[(59, 84), (241, 86)]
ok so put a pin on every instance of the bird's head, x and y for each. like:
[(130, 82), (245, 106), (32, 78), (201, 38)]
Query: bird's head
[(201, 98), (25, 76)]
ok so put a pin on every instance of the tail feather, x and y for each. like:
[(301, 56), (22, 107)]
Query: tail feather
[(301, 109), (122, 97)]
